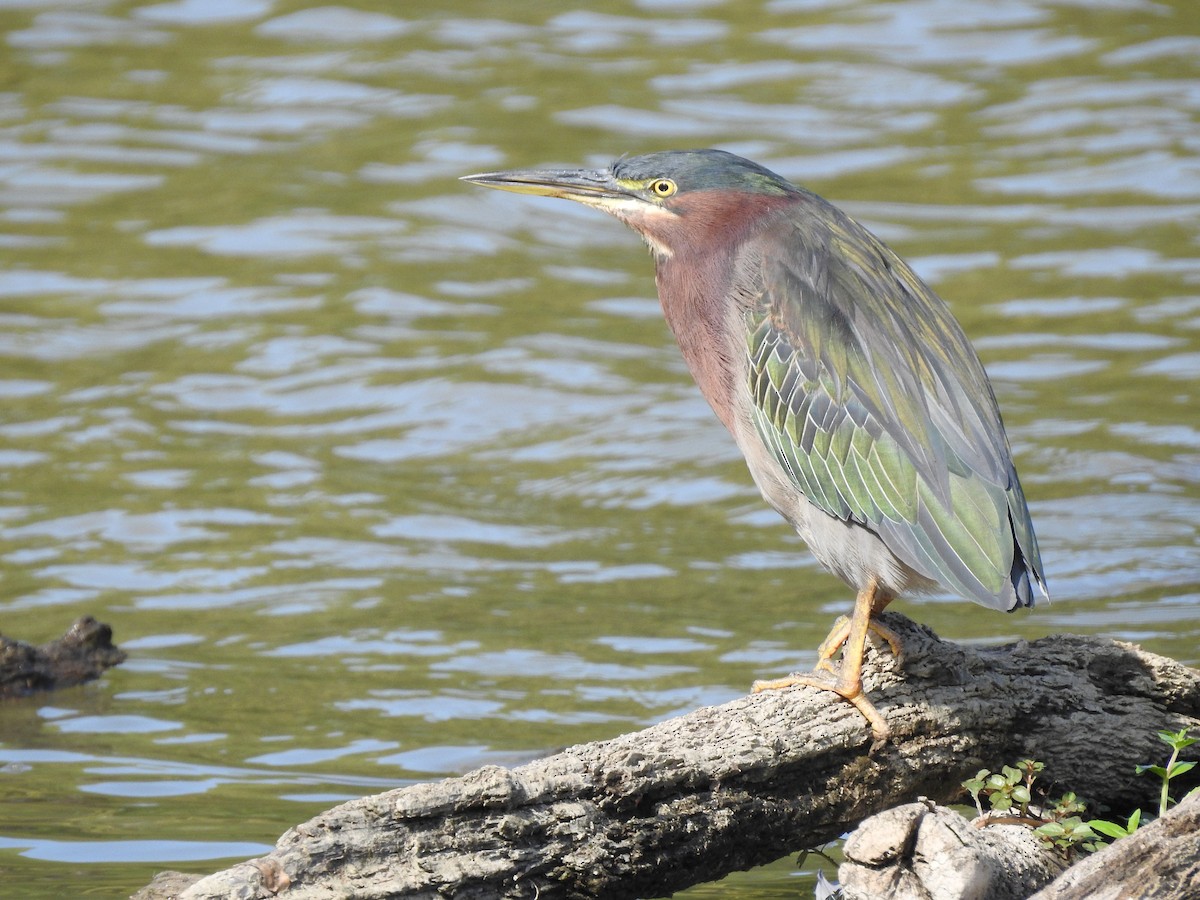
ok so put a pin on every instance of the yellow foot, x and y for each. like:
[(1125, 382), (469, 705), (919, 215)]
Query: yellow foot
[(849, 637), (893, 639), (851, 693), (832, 646)]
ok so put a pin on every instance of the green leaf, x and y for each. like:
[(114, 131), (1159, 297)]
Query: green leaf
[(1020, 794), (1135, 819), (1066, 805), (1180, 767), (1177, 740), (1051, 830), (1157, 770), (1108, 829)]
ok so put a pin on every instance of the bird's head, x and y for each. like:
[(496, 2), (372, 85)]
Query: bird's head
[(676, 199)]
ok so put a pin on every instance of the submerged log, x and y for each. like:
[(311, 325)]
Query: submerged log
[(725, 788), (81, 654)]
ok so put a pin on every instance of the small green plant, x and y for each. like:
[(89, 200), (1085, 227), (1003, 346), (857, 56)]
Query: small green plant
[(1010, 790), (1066, 805), (1065, 828), (1060, 822), (1176, 740), (1011, 786), (1069, 834)]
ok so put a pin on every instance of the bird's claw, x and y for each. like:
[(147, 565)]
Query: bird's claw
[(848, 637), (892, 639), (850, 691)]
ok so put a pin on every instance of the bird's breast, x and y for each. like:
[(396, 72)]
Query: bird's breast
[(695, 298), (706, 309)]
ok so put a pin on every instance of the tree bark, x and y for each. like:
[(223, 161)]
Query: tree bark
[(81, 654), (725, 788)]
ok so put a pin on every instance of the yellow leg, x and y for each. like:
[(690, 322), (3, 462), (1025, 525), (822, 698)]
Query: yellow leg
[(832, 645), (850, 637), (836, 639)]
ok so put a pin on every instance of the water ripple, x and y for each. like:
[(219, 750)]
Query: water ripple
[(334, 24)]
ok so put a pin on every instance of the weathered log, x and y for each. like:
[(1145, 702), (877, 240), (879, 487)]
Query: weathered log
[(81, 654), (919, 851), (724, 788)]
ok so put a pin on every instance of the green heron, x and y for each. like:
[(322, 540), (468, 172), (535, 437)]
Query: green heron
[(862, 410)]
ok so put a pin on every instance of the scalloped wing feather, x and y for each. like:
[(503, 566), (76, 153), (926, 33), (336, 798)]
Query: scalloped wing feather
[(869, 395)]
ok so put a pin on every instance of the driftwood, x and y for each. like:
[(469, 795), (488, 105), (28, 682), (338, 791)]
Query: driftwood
[(725, 788), (921, 850), (81, 654)]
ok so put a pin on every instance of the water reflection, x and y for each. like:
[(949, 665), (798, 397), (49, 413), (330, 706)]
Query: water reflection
[(158, 852), (378, 478)]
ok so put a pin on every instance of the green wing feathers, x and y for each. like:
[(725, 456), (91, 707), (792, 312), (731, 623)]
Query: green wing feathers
[(868, 394)]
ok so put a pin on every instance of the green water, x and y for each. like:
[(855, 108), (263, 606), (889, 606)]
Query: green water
[(379, 477)]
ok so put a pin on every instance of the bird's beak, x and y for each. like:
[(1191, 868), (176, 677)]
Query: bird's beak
[(597, 188), (594, 187)]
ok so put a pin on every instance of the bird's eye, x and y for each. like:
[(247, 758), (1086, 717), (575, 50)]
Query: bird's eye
[(662, 187)]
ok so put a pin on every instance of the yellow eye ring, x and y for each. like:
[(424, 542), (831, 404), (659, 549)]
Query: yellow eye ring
[(662, 188)]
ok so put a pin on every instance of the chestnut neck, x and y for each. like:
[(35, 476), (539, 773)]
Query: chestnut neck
[(696, 284)]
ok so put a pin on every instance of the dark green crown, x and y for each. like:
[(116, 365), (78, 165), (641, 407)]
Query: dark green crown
[(703, 170)]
